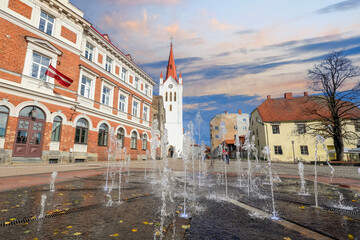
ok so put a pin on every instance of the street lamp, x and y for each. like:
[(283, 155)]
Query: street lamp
[(292, 141)]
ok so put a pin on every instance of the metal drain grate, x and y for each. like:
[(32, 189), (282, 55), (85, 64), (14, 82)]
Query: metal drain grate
[(64, 212)]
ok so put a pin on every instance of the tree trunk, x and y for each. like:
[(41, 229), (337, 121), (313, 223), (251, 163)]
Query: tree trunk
[(339, 147)]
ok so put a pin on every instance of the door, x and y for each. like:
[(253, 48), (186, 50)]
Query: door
[(29, 134)]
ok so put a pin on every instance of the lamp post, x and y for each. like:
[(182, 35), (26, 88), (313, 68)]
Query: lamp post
[(292, 141)]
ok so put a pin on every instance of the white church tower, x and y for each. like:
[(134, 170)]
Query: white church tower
[(172, 91)]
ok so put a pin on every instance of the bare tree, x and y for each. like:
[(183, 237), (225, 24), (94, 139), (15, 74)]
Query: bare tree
[(337, 104)]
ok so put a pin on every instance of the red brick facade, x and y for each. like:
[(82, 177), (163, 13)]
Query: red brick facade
[(68, 34), (21, 8), (61, 101)]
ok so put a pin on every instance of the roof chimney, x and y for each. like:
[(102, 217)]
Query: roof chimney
[(239, 111), (225, 112), (288, 96), (305, 94), (268, 96)]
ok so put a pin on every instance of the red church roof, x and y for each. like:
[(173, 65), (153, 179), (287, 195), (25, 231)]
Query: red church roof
[(171, 67), (303, 108)]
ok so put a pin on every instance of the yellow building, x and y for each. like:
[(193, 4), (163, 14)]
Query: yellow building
[(281, 124), (235, 124)]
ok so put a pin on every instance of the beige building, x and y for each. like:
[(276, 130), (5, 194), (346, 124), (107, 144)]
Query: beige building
[(281, 124), (235, 124)]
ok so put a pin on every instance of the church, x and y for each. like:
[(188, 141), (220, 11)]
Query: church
[(171, 88)]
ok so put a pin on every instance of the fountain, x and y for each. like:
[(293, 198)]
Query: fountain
[(315, 171), (302, 179), (186, 153), (238, 158), (247, 147), (266, 151), (225, 154), (52, 181), (42, 204)]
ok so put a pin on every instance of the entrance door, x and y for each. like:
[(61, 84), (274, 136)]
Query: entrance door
[(29, 133)]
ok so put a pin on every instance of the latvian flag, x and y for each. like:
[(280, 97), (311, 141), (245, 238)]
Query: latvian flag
[(61, 78)]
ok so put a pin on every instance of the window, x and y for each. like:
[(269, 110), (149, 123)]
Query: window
[(46, 23), (121, 136), (244, 119), (133, 140), (4, 115), (244, 128), (304, 150), (135, 109), (81, 132), (123, 74), (278, 150), (56, 129), (217, 137), (144, 142), (108, 64), (145, 113), (235, 128), (89, 51), (103, 135), (276, 129), (301, 129), (257, 133), (175, 96), (170, 96), (39, 66), (122, 102), (136, 83), (170, 108), (166, 96), (357, 126), (146, 89), (85, 87), (216, 128), (106, 96)]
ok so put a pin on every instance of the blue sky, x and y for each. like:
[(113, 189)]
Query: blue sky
[(231, 53)]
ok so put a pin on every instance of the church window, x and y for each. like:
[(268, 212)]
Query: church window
[(174, 96), (166, 97), (170, 107), (170, 96)]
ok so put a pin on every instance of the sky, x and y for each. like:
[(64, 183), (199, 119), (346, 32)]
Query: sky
[(231, 53)]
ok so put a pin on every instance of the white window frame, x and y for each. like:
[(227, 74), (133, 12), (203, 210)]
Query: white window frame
[(146, 118), (46, 23), (146, 89), (40, 66), (122, 76), (90, 75), (125, 103), (136, 82), (106, 95), (108, 64), (90, 89), (137, 112), (93, 51), (35, 45)]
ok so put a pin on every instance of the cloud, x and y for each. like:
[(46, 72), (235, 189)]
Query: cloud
[(243, 32), (215, 24), (199, 106), (341, 6)]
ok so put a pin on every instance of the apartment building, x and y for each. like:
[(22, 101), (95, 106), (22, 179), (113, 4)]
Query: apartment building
[(49, 119)]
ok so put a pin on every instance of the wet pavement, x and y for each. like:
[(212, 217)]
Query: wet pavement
[(78, 209)]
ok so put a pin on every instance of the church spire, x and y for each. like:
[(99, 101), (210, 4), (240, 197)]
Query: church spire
[(171, 68)]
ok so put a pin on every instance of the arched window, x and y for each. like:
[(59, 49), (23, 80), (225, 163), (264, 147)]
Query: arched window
[(81, 132), (170, 107), (133, 140), (32, 112), (166, 96), (170, 96), (144, 142), (121, 136), (103, 135), (4, 115), (174, 96), (56, 129)]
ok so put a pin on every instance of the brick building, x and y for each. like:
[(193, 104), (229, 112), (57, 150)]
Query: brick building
[(43, 121)]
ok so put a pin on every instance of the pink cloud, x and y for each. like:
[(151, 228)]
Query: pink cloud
[(215, 24)]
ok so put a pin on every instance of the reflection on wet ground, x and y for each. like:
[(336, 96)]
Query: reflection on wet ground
[(78, 209)]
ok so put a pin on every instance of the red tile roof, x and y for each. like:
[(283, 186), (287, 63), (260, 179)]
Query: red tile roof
[(171, 67), (297, 109)]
